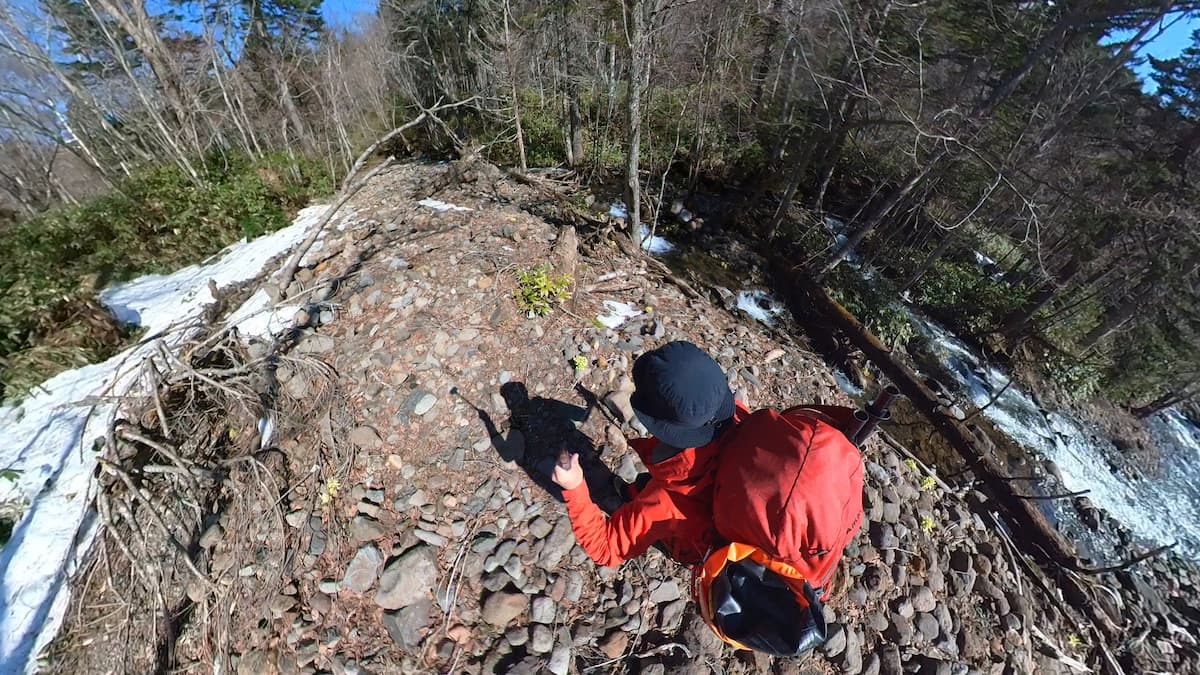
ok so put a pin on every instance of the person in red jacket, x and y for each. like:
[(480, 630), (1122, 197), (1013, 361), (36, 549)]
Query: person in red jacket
[(682, 397)]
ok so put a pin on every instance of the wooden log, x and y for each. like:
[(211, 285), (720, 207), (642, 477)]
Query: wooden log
[(1029, 525)]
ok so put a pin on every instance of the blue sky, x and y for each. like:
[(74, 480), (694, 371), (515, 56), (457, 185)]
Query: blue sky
[(1175, 39), (342, 13)]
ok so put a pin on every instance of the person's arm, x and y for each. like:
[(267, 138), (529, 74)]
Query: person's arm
[(609, 541)]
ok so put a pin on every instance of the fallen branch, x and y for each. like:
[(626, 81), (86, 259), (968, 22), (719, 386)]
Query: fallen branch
[(1128, 563), (1050, 498), (1057, 652), (804, 295), (289, 272), (899, 447)]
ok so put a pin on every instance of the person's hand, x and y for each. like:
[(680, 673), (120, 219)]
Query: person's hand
[(570, 476)]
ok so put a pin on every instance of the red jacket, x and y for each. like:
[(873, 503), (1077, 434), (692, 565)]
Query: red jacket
[(674, 508)]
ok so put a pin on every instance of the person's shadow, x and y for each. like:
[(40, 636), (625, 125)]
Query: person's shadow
[(539, 428)]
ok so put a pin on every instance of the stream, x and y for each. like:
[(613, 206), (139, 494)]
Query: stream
[(1160, 508)]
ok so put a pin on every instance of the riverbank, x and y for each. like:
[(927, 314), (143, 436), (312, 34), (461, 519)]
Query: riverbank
[(397, 523)]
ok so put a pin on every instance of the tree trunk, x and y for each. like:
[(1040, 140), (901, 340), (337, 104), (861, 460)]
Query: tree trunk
[(574, 127), (293, 114), (833, 151), (638, 76), (876, 215), (1171, 398), (516, 99), (936, 254), (762, 65)]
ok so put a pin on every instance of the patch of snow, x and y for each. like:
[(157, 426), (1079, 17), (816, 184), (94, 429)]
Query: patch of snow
[(257, 316), (437, 205), (983, 260), (835, 225), (50, 437), (156, 302), (655, 245), (761, 306), (617, 313), (844, 383)]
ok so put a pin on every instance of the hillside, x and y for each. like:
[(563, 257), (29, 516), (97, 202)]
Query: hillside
[(361, 493)]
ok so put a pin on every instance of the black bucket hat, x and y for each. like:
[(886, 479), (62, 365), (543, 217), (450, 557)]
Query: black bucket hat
[(681, 395)]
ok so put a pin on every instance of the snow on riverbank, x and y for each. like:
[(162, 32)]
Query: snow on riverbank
[(49, 438)]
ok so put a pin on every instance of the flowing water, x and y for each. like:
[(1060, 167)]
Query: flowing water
[(1162, 508)]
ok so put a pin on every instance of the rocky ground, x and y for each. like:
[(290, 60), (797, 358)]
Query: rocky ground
[(437, 545)]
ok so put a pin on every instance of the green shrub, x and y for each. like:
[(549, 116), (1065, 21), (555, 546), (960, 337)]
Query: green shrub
[(155, 221), (1080, 377), (962, 296), (538, 292), (873, 302)]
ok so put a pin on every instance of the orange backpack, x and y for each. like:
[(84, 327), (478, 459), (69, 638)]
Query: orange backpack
[(788, 499)]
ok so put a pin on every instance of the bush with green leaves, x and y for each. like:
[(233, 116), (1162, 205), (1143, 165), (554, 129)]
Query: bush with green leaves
[(1081, 377), (962, 296), (873, 303), (538, 290), (156, 221)]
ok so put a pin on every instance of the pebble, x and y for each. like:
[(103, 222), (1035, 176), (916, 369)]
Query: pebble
[(365, 437), (928, 626), (365, 528), (539, 528), (614, 644), (211, 536), (363, 569), (431, 538), (408, 579), (408, 626), (544, 610), (557, 545), (542, 641), (560, 660), (900, 630), (922, 599), (516, 636), (835, 643), (501, 608), (668, 591), (424, 404), (516, 510)]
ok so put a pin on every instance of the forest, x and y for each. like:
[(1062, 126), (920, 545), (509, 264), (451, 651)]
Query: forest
[(999, 164)]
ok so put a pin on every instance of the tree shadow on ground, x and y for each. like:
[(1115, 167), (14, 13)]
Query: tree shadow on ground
[(539, 428)]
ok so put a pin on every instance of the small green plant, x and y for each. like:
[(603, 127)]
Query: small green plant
[(538, 291), (928, 484), (580, 364), (911, 464), (1074, 641), (330, 491), (928, 524)]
